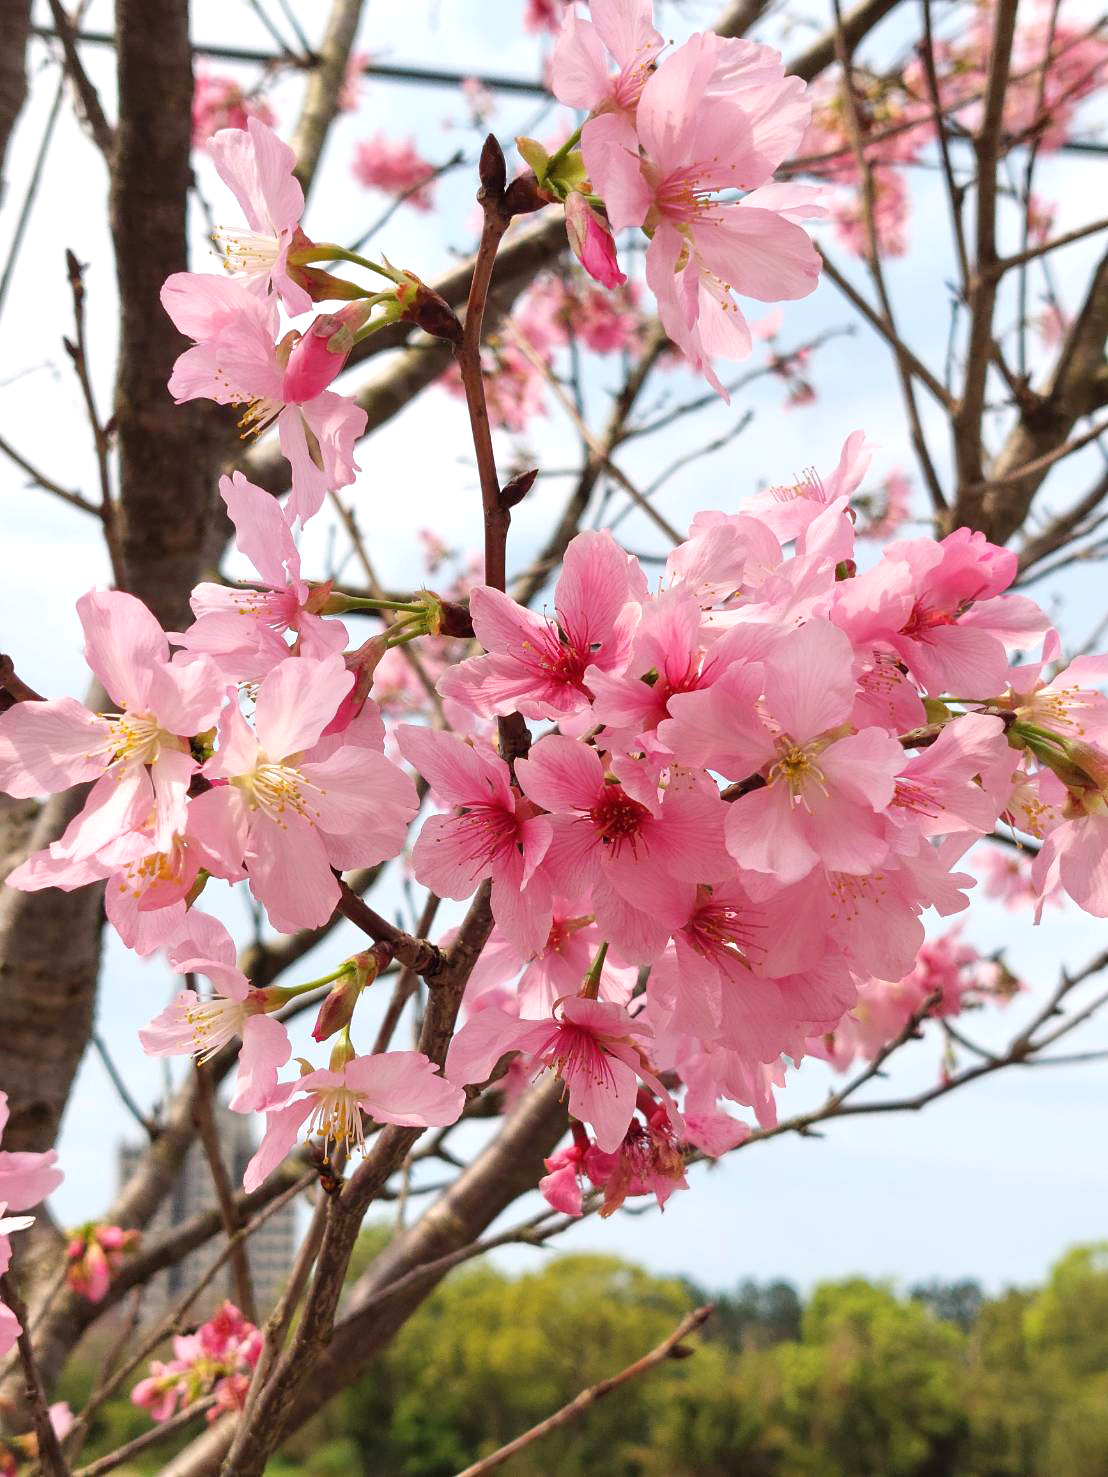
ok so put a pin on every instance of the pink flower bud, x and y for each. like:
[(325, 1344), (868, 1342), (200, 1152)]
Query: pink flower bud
[(320, 354), (591, 242)]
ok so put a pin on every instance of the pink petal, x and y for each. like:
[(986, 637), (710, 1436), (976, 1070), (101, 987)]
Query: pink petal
[(561, 774), (458, 773), (265, 1049), (296, 701), (281, 1132), (809, 683), (290, 873), (261, 532), (46, 747), (122, 642), (764, 835), (405, 1087)]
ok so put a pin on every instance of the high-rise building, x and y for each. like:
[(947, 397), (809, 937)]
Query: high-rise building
[(270, 1249)]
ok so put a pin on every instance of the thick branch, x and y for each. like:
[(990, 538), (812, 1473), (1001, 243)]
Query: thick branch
[(325, 83)]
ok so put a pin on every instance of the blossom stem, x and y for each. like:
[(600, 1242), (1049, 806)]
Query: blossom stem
[(560, 154), (590, 989)]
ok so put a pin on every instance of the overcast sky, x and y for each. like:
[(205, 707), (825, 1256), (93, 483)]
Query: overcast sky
[(992, 1182)]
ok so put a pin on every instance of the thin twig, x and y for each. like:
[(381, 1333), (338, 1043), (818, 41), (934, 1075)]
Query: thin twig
[(147, 1439), (74, 499), (78, 353), (224, 1190), (125, 1097), (102, 132), (51, 1461), (669, 1348)]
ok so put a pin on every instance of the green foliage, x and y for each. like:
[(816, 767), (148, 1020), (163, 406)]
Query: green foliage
[(856, 1382)]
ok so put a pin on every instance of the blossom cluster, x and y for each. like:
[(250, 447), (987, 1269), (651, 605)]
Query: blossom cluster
[(217, 1359), (1055, 64), (747, 781)]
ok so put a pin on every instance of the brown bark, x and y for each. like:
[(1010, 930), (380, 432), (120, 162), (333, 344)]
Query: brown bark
[(15, 27), (167, 453), (1078, 385)]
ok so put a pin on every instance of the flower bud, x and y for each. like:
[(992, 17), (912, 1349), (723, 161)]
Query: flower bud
[(591, 242), (320, 354), (337, 1010)]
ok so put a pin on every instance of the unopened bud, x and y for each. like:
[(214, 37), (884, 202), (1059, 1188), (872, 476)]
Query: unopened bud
[(591, 241), (516, 490), (525, 195), (337, 1010), (491, 168), (427, 309), (318, 357)]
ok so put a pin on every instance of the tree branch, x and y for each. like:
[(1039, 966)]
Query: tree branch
[(669, 1348)]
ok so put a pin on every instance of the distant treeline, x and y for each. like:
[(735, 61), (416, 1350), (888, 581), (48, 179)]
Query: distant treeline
[(856, 1381)]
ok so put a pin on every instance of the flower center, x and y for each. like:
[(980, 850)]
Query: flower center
[(484, 832), (275, 789), (797, 768), (618, 818), (213, 1023), (133, 738), (250, 252), (337, 1118)]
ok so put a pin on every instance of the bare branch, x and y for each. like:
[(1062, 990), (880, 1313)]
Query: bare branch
[(669, 1348), (50, 1459), (325, 83), (102, 133), (224, 1190)]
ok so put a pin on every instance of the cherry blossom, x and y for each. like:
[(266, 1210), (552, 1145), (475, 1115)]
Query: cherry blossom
[(492, 833), (393, 1087), (234, 361), (292, 810), (258, 168), (243, 630)]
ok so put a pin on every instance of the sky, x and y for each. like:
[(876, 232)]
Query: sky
[(992, 1182)]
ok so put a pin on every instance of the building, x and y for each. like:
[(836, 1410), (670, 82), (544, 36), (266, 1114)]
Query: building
[(270, 1249)]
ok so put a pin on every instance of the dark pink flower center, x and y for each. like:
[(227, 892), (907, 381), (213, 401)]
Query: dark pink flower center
[(722, 932), (559, 657), (573, 1052), (484, 832), (618, 818)]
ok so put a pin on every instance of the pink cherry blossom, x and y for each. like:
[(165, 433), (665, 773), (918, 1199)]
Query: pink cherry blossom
[(623, 30), (258, 168), (938, 791), (491, 833), (717, 114), (788, 511), (537, 666), (554, 969), (138, 755), (396, 167), (392, 1087), (640, 850), (235, 361), (290, 812), (190, 1025), (713, 980), (591, 1045), (243, 630)]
